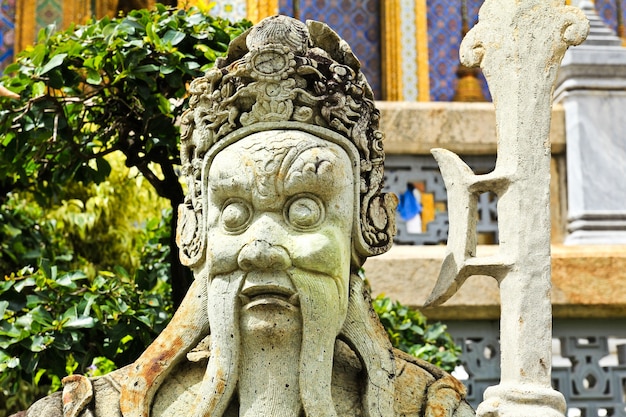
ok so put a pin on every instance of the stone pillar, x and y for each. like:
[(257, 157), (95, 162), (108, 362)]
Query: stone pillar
[(591, 86), (519, 45)]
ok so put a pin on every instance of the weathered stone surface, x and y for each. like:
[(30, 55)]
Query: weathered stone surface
[(588, 281), (415, 377), (519, 46)]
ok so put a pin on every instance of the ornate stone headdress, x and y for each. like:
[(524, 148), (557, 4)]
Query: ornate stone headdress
[(285, 75)]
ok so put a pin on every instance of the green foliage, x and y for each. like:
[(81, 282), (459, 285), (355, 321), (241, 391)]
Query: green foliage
[(113, 84), (103, 223), (91, 226), (410, 332), (58, 322), (55, 323), (84, 272), (25, 238), (84, 289)]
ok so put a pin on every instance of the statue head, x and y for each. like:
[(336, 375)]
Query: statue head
[(285, 75), (283, 161)]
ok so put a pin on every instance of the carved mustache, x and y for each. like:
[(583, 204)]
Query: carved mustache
[(220, 378)]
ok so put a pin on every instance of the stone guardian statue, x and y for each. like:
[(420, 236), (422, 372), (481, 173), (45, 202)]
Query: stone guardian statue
[(283, 161)]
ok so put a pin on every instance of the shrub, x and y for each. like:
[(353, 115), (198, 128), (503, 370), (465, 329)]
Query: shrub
[(69, 301), (410, 332), (56, 322), (114, 84)]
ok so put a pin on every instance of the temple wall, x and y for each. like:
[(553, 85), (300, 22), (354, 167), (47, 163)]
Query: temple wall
[(588, 280), (409, 47)]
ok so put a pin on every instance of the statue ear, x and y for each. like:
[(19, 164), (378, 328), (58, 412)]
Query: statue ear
[(190, 236), (377, 224)]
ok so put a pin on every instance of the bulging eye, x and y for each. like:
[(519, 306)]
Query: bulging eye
[(304, 212), (236, 215)]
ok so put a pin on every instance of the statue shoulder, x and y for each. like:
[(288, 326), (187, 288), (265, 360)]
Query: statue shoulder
[(82, 397), (421, 388), (50, 406)]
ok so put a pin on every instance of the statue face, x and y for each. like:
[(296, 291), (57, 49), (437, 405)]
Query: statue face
[(280, 211)]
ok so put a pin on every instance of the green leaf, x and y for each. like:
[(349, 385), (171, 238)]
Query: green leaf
[(7, 139), (41, 316), (38, 89), (80, 323), (38, 54), (90, 298), (25, 283), (3, 307), (192, 65), (93, 77), (37, 343), (13, 363), (145, 320), (33, 300), (38, 375), (173, 37), (147, 68), (13, 333), (66, 280), (152, 35), (54, 62), (164, 105), (166, 69)]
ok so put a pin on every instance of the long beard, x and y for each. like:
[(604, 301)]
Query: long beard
[(279, 359), (271, 339), (323, 308), (220, 378)]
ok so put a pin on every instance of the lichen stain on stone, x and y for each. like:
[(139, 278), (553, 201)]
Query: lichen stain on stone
[(163, 359), (220, 387), (437, 410)]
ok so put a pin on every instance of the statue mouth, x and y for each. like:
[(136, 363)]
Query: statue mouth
[(269, 295), (269, 288)]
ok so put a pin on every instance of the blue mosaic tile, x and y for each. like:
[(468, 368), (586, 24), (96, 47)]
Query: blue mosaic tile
[(286, 7), (607, 10), (444, 39), (473, 7), (7, 32)]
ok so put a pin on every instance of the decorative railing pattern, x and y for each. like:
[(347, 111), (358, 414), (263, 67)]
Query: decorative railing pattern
[(422, 172), (589, 363)]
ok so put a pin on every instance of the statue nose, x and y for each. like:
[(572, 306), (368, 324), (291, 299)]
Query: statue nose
[(260, 254)]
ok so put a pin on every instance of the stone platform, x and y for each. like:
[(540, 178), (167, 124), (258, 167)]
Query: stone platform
[(587, 282)]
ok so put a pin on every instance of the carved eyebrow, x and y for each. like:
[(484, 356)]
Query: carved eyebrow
[(311, 169), (229, 187)]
